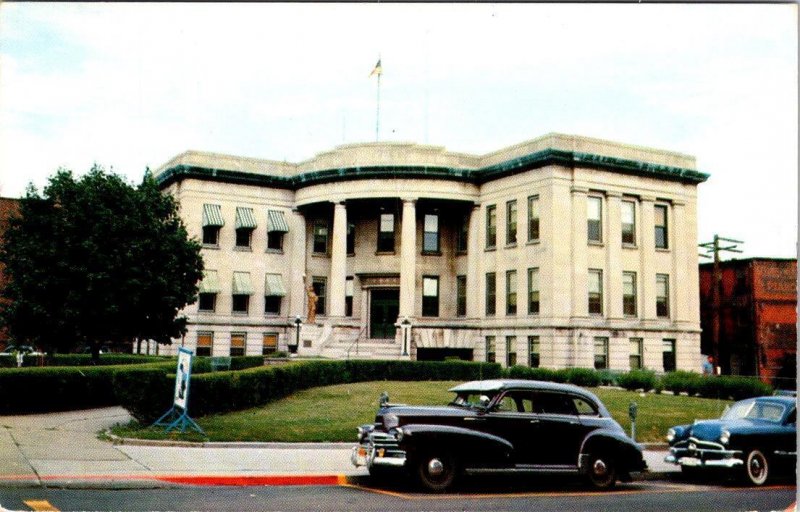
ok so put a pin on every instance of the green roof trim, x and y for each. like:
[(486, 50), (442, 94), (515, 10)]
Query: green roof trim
[(477, 176)]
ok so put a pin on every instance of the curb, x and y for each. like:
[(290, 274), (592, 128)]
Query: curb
[(131, 441)]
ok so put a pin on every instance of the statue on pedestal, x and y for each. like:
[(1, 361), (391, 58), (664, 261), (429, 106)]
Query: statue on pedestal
[(312, 304)]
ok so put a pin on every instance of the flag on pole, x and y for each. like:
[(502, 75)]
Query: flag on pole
[(378, 69)]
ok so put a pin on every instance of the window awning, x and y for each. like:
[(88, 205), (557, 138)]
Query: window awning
[(245, 218), (242, 284), (210, 282), (273, 286), (276, 221), (212, 215)]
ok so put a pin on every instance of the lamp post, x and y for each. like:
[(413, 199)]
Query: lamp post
[(405, 326), (297, 323)]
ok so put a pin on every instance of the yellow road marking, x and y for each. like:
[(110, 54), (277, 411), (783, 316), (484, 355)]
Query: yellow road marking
[(41, 505)]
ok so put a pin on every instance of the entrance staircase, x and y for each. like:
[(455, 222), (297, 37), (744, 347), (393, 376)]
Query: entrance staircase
[(346, 342)]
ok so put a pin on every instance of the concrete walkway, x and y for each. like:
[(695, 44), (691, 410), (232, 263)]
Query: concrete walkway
[(63, 450)]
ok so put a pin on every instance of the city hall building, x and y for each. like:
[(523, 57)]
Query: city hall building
[(562, 251)]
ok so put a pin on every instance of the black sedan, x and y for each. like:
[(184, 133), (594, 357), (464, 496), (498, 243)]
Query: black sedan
[(753, 437), (500, 426)]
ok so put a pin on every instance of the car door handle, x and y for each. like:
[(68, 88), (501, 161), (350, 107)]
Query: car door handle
[(474, 419), (534, 421)]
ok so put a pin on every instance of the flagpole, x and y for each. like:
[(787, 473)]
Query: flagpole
[(378, 111)]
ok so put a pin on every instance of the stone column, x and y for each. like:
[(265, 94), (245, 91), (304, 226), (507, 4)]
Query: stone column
[(614, 255), (338, 260), (297, 276), (648, 249), (474, 276), (580, 258), (408, 258), (680, 298)]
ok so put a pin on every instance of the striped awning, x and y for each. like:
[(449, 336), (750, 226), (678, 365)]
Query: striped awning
[(273, 286), (242, 284), (245, 218), (210, 282), (212, 215), (276, 221)]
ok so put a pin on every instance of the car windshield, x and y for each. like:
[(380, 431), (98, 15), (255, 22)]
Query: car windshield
[(755, 410), (470, 399)]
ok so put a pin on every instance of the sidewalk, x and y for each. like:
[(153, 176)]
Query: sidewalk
[(63, 450)]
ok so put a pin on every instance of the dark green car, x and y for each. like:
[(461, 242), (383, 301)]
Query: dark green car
[(754, 437)]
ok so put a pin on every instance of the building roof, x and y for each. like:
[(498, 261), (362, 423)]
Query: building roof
[(405, 159), (745, 261)]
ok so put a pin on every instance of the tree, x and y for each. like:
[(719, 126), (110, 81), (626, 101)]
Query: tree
[(96, 260)]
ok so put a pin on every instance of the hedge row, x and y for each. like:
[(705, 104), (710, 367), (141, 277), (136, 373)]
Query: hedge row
[(694, 384), (146, 393)]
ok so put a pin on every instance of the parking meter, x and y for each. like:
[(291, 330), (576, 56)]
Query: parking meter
[(633, 409)]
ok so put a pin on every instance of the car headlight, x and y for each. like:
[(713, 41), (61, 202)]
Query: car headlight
[(670, 435), (399, 434), (390, 421), (724, 436)]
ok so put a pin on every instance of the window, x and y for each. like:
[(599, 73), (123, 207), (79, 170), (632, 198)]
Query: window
[(462, 235), (430, 296), (662, 295), (629, 294), (533, 219), (245, 224), (600, 353), (351, 238), (241, 303), (595, 292), (237, 344), (661, 226), (491, 349), (533, 291), (211, 235), (209, 288), (636, 353), (320, 234), (628, 223), (348, 296), (269, 344), (242, 289), (274, 291), (461, 295), (511, 292), (276, 228), (511, 350), (207, 302), (491, 226), (511, 222), (534, 351), (430, 234), (491, 294), (595, 219), (386, 233), (205, 343), (212, 222), (669, 355), (320, 287)]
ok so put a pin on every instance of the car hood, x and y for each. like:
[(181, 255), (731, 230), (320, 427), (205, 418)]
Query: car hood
[(710, 430), (411, 413)]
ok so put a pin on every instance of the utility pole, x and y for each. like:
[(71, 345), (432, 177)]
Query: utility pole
[(716, 285)]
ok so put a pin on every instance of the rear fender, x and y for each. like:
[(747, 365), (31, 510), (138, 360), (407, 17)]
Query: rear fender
[(626, 452), (469, 446)]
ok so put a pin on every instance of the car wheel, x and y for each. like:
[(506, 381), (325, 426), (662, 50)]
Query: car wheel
[(602, 471), (436, 471), (756, 467)]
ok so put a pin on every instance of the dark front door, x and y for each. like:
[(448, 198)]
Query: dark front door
[(384, 307)]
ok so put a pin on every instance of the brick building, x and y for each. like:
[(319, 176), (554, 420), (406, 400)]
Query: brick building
[(757, 316)]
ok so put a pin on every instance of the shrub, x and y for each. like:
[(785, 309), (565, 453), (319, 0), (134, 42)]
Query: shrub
[(145, 392), (583, 377), (637, 379), (681, 382), (26, 390)]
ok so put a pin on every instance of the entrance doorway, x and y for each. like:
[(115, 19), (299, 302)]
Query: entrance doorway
[(384, 307)]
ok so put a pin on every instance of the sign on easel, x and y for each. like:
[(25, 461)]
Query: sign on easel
[(178, 415)]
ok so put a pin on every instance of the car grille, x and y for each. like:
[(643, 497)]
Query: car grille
[(387, 443)]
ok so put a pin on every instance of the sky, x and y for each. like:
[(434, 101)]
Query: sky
[(128, 86)]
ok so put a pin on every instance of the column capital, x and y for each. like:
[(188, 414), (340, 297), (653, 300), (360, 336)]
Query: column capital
[(339, 202), (579, 190), (411, 200), (614, 194), (649, 199), (678, 203)]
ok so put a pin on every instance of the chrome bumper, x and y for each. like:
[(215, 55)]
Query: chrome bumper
[(377, 449), (699, 458)]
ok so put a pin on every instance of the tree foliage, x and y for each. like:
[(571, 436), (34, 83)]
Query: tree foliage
[(94, 260)]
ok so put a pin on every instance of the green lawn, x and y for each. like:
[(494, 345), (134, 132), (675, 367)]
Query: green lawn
[(332, 413)]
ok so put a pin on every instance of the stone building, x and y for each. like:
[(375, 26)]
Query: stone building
[(562, 251)]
